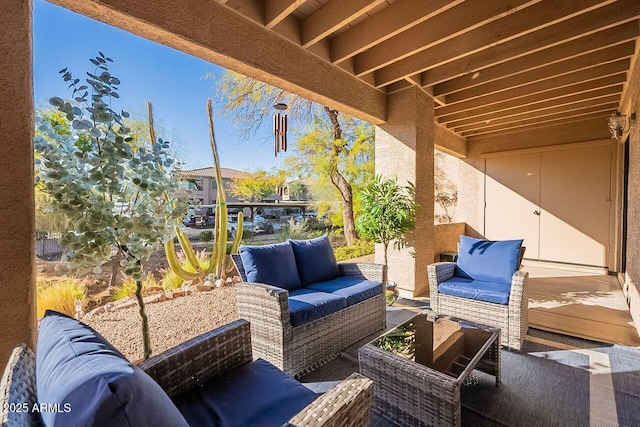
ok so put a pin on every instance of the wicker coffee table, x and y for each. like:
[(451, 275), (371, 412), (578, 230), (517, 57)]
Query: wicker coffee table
[(419, 367)]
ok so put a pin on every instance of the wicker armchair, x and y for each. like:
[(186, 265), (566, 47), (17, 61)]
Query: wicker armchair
[(511, 318), (298, 349), (187, 366)]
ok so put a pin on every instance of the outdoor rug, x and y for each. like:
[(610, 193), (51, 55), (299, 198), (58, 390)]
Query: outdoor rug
[(558, 381)]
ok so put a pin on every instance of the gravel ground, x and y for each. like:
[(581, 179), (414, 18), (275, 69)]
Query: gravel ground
[(170, 322)]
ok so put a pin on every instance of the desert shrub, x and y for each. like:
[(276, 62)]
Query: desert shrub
[(128, 288), (59, 296), (170, 280), (361, 248), (206, 236), (297, 233)]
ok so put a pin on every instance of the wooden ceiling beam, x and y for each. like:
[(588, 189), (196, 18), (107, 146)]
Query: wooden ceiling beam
[(515, 25), (613, 37), (445, 26), (333, 15), (610, 16), (277, 10), (543, 86), (252, 9), (554, 134), (604, 96), (381, 26), (537, 125), (557, 69), (545, 98), (215, 33), (539, 116)]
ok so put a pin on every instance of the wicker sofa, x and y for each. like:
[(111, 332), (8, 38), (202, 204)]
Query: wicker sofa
[(93, 385), (297, 345), (499, 298)]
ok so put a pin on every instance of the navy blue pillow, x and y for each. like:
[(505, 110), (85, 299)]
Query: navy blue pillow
[(315, 259), (271, 264), (489, 261), (92, 382)]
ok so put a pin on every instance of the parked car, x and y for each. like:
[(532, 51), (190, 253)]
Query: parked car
[(262, 225), (189, 219)]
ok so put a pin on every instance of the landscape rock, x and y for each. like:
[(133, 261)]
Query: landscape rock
[(204, 287), (125, 304)]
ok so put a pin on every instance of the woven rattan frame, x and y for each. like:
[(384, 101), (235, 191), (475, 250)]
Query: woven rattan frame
[(299, 349), (18, 390), (193, 362), (511, 318), (410, 394)]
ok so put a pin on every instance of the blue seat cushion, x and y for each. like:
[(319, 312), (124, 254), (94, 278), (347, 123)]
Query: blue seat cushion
[(315, 259), (271, 264), (354, 290), (494, 292), (254, 394), (489, 261), (79, 370), (306, 305)]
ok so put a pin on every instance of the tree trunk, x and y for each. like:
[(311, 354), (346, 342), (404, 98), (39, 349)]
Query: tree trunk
[(343, 186), (115, 269), (385, 269), (339, 181), (146, 339)]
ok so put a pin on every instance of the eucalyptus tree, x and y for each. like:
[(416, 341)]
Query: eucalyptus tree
[(332, 146), (111, 193)]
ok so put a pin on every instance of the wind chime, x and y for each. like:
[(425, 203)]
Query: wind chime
[(280, 128)]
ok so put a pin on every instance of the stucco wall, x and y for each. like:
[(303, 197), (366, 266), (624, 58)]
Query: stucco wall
[(631, 103), (471, 195), (405, 148), (17, 243), (447, 237)]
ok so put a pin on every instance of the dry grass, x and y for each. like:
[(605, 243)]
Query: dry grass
[(60, 296)]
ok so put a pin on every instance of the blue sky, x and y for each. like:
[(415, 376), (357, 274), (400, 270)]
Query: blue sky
[(170, 79)]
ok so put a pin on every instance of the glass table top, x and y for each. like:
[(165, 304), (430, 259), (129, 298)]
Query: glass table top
[(444, 344)]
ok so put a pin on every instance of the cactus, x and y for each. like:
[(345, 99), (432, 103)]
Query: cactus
[(221, 263)]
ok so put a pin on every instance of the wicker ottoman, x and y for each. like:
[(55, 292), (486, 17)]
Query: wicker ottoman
[(419, 367)]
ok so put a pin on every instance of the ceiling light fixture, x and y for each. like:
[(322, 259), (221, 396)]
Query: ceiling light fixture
[(618, 124)]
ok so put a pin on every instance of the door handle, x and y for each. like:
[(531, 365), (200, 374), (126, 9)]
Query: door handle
[(536, 213)]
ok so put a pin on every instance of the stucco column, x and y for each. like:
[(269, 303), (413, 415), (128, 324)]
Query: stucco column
[(404, 147), (17, 273)]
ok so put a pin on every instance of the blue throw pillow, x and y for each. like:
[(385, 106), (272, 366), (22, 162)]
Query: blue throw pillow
[(490, 261), (89, 383), (271, 264), (315, 259)]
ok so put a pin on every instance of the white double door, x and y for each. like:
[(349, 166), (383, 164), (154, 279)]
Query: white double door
[(557, 201)]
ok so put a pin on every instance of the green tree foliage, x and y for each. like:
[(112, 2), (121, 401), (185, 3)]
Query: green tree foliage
[(256, 186), (388, 212), (111, 195), (331, 146), (298, 191), (319, 154)]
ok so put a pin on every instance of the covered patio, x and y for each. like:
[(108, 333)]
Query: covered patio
[(519, 91)]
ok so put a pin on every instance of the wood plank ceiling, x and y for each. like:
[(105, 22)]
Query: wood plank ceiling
[(493, 66)]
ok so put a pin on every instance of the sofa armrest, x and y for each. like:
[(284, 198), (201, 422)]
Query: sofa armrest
[(362, 270), (348, 403), (195, 361), (260, 302), (438, 273), (518, 286)]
